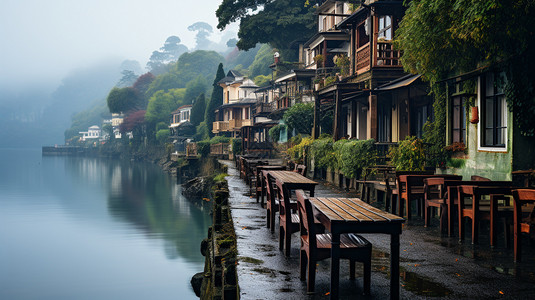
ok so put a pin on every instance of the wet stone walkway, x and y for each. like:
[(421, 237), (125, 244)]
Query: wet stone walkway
[(431, 266)]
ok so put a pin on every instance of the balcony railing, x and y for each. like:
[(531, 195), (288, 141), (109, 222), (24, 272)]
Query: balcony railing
[(363, 59), (191, 149), (386, 55), (220, 126), (262, 107), (237, 124), (219, 149)]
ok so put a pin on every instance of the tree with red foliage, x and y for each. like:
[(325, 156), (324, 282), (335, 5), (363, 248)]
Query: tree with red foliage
[(133, 120), (143, 82)]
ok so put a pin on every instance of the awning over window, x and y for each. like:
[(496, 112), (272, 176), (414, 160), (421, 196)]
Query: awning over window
[(396, 84)]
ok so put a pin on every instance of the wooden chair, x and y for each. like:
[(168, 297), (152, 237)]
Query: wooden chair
[(449, 188), (411, 187), (523, 221), (393, 192), (434, 196), (316, 247), (288, 220), (272, 204), (478, 211), (301, 169)]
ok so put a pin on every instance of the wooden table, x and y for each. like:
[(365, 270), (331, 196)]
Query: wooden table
[(260, 178), (287, 181), (351, 215)]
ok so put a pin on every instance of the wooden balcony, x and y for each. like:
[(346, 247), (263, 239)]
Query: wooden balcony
[(220, 126), (237, 124), (264, 107), (386, 55), (219, 149), (362, 64)]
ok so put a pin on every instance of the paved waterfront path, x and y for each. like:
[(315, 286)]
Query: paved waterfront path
[(431, 265)]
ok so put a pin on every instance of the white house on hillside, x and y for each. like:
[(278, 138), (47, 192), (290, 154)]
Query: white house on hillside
[(93, 133)]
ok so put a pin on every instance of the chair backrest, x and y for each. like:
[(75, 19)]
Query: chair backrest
[(301, 169), (270, 191), (401, 185), (306, 217), (524, 195), (284, 204), (479, 178), (418, 180)]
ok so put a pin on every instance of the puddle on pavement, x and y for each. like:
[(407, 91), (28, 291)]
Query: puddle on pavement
[(411, 281), (422, 286)]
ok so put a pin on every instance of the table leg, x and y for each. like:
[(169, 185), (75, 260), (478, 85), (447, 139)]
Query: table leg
[(394, 266), (263, 192), (335, 265)]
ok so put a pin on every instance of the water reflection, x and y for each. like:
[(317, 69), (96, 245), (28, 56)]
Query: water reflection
[(145, 197), (84, 228)]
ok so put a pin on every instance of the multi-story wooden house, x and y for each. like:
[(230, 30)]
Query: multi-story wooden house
[(180, 125), (239, 98), (376, 99)]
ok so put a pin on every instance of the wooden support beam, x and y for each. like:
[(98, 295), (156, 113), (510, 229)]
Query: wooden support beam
[(337, 117), (372, 117), (317, 110)]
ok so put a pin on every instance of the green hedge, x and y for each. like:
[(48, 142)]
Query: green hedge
[(323, 152), (236, 146), (219, 139), (349, 157), (203, 148), (356, 155), (409, 155)]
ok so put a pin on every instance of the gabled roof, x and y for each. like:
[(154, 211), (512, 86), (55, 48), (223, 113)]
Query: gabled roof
[(234, 73), (232, 76), (181, 108), (248, 83)]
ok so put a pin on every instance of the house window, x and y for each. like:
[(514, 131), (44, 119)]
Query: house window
[(421, 112), (384, 120), (493, 110), (458, 118), (385, 28)]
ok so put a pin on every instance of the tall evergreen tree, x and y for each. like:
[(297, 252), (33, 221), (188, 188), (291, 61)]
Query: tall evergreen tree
[(197, 111), (216, 100)]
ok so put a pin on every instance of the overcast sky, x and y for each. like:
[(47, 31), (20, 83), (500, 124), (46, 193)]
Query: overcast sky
[(45, 39)]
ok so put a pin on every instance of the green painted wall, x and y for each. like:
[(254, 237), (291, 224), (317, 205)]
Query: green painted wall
[(493, 165)]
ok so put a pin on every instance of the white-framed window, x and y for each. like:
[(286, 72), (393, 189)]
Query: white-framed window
[(493, 112), (385, 28)]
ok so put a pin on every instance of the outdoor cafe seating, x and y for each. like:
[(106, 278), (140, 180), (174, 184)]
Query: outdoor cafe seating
[(411, 187), (443, 193), (477, 211), (524, 218), (316, 246)]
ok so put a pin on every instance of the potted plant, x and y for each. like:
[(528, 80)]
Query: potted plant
[(318, 59), (342, 62), (317, 83), (330, 80)]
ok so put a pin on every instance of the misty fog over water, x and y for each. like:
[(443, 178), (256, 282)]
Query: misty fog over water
[(61, 57)]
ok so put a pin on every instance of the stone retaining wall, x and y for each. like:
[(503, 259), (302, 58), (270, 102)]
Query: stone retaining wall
[(219, 279)]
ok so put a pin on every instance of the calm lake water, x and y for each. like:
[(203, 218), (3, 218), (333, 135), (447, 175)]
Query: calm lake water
[(88, 228)]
